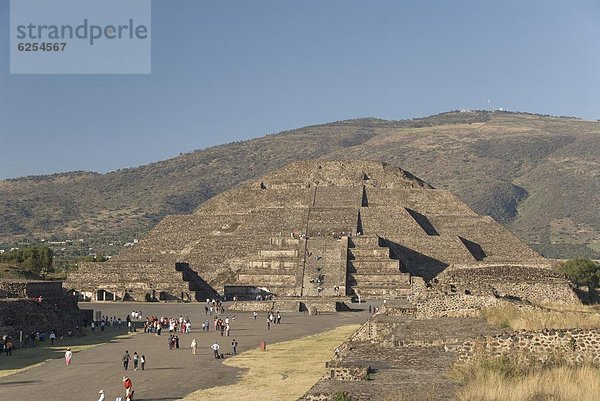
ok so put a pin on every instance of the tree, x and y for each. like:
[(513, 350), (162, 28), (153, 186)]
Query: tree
[(582, 272)]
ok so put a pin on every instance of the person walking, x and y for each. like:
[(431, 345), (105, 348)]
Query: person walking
[(143, 361), (136, 360), (215, 348), (68, 356), (194, 346), (102, 395), (8, 346), (128, 385), (126, 359), (234, 345)]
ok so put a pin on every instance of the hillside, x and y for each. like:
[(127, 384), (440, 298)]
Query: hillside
[(537, 175)]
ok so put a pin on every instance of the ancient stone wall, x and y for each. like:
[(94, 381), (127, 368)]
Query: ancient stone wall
[(292, 304), (453, 305), (570, 346), (31, 289), (33, 316), (528, 282), (347, 372)]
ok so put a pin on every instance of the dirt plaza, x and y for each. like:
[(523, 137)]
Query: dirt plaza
[(169, 374)]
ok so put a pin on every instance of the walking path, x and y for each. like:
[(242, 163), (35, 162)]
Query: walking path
[(169, 375)]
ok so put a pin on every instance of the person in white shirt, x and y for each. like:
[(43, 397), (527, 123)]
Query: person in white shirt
[(215, 348), (68, 356)]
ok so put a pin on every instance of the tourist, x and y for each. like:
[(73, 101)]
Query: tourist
[(234, 345), (126, 359), (128, 385), (8, 346), (194, 346), (136, 360), (68, 356), (278, 318), (215, 348), (143, 361)]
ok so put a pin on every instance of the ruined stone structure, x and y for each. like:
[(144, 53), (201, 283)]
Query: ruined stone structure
[(574, 347), (37, 306), (319, 228), (397, 354)]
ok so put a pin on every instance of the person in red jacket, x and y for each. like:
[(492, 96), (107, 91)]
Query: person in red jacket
[(128, 388)]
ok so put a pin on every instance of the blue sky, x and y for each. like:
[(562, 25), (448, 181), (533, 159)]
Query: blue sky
[(230, 70)]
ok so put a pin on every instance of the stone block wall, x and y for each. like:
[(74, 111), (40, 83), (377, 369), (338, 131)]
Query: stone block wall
[(453, 305), (571, 346), (347, 372), (30, 289), (531, 282)]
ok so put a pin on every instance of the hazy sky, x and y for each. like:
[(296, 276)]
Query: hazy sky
[(230, 70)]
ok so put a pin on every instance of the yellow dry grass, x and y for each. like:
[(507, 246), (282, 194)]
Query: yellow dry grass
[(284, 372), (556, 384), (550, 316)]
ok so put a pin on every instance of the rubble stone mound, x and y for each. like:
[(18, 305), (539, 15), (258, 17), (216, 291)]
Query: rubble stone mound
[(317, 228)]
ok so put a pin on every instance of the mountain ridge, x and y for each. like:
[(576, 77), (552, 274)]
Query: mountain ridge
[(512, 166)]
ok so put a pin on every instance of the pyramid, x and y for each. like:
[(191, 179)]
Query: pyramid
[(314, 228)]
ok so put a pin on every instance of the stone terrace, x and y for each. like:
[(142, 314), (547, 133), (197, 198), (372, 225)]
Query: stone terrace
[(408, 359)]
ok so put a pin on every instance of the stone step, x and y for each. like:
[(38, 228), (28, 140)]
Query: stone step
[(379, 279), (278, 253), (374, 265), (266, 279), (364, 241), (266, 271), (283, 241), (380, 292), (273, 264), (359, 253)]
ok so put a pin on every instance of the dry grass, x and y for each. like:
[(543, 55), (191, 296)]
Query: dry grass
[(284, 372), (546, 317), (555, 384), (516, 378)]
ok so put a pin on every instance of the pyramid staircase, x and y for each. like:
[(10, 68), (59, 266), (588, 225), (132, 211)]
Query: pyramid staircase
[(276, 267), (371, 273), (199, 289)]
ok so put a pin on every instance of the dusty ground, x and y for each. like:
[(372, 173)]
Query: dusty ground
[(169, 375)]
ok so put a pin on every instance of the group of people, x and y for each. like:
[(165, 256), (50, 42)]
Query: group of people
[(6, 345), (213, 307), (156, 325), (272, 318), (127, 385), (138, 361)]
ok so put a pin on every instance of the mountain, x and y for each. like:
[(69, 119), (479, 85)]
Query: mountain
[(537, 175)]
